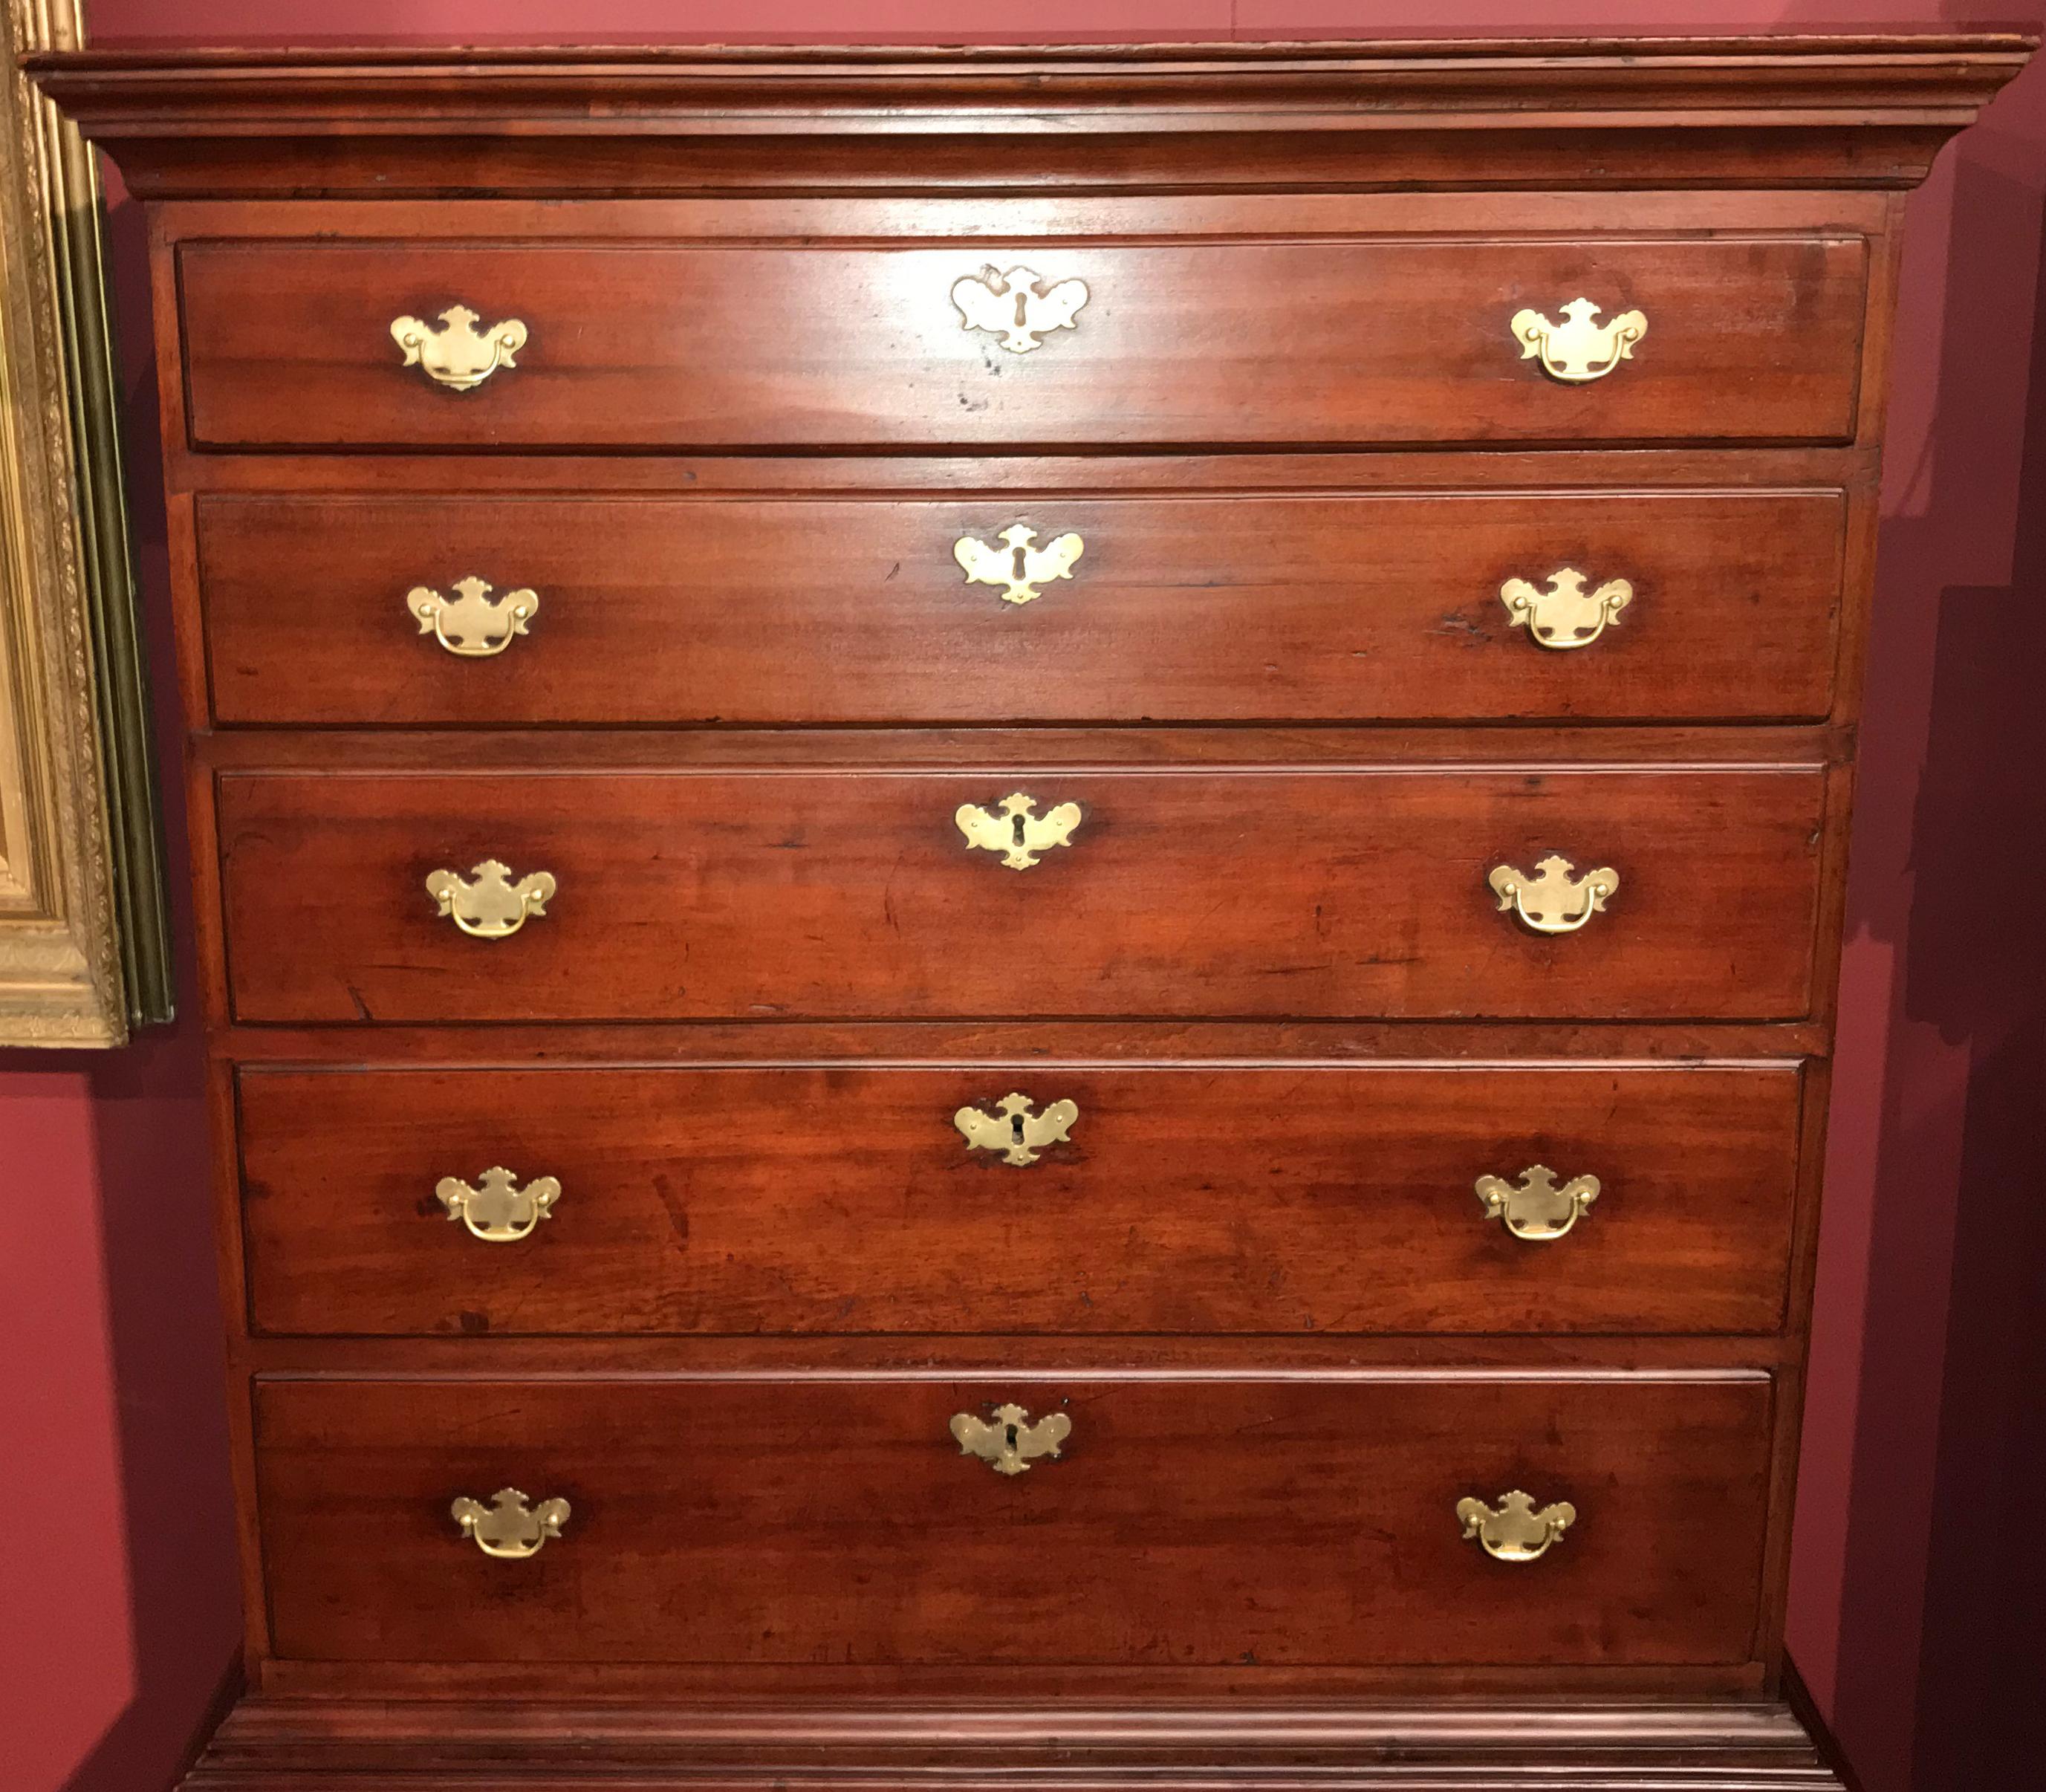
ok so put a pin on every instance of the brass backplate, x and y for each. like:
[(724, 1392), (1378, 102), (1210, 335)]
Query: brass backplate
[(1011, 305), (1016, 567), (1514, 1532), (497, 1210), (509, 1528), (487, 904), (1014, 1131), (1539, 1210), (1006, 1440), (472, 623), (1013, 828), (1576, 349), (458, 355), (1553, 901)]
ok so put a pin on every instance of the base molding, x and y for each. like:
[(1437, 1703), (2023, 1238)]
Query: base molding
[(1442, 1745)]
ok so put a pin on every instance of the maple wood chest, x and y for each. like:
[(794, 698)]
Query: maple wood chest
[(1019, 874)]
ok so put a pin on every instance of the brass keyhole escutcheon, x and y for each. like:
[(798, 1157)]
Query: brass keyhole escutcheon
[(1014, 830), (1014, 1131), (1010, 1443), (1012, 306), (1018, 567)]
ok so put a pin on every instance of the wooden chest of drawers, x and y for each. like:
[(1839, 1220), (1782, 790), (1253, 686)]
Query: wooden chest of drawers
[(1019, 874)]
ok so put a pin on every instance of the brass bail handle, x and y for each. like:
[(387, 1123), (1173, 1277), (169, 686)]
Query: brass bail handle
[(1564, 616), (472, 624), (1553, 901), (1513, 1531), (487, 905), (458, 355), (1539, 1210), (497, 1210), (510, 1528), (1578, 350)]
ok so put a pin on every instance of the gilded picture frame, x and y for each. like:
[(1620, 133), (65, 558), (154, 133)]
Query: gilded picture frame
[(84, 952)]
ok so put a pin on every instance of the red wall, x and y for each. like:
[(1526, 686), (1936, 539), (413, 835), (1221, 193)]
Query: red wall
[(117, 1612)]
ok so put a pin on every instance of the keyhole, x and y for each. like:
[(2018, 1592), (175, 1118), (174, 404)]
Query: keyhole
[(1015, 1132), (1020, 574), (1016, 836), (1012, 1429)]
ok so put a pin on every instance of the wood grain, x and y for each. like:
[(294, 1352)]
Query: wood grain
[(1231, 607), (844, 1200), (1238, 893), (817, 346), (1507, 1741), (1609, 115), (1304, 452), (763, 1521)]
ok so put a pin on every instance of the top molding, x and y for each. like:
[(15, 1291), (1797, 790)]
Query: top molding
[(1861, 111)]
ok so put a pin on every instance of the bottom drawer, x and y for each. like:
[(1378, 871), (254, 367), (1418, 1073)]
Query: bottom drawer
[(1307, 1520)]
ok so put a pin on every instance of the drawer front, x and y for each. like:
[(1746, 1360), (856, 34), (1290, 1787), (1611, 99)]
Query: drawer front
[(767, 895), (1301, 1521), (852, 1200), (1661, 606), (654, 344)]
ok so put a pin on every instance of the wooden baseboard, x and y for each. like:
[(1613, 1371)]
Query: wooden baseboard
[(337, 1745)]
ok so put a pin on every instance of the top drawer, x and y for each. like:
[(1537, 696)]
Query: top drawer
[(659, 345)]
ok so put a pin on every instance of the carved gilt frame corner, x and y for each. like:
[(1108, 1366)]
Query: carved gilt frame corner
[(84, 952)]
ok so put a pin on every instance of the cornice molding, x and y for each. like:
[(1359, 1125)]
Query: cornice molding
[(1861, 111)]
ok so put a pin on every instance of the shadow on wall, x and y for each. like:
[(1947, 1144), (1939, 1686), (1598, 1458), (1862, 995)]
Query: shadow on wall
[(1962, 1100), (1936, 1682)]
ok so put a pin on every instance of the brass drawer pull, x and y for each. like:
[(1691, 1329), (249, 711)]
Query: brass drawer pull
[(499, 1212), (472, 623), (1515, 1532), (508, 1529), (459, 355), (1576, 349), (1008, 1445), (1564, 616), (1014, 832), (1553, 901), (1016, 565), (493, 907), (1011, 305), (1017, 1134), (1537, 1210)]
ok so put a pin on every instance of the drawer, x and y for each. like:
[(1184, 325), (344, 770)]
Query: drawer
[(1237, 607), (653, 344), (682, 894), (1303, 1521), (850, 1200)]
